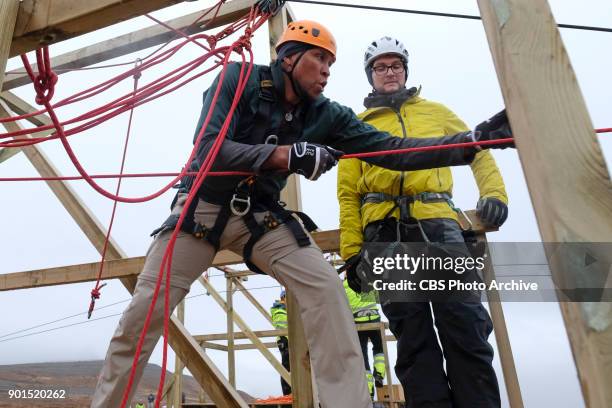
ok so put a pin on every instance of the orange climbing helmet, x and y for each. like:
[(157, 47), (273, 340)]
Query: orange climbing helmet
[(309, 32)]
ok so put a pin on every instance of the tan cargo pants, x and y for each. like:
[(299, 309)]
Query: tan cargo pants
[(328, 323)]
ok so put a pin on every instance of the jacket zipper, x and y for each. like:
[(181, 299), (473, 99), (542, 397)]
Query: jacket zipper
[(405, 135)]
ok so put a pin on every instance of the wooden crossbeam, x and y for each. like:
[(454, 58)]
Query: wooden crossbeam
[(48, 21), (8, 17), (564, 167), (119, 268), (134, 41)]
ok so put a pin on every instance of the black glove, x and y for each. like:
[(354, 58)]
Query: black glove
[(492, 211), (270, 6), (498, 127), (311, 160), (352, 277)]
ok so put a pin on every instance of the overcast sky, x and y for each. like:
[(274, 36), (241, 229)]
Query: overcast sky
[(448, 57)]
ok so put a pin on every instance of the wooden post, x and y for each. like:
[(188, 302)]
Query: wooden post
[(566, 173), (8, 17), (299, 358), (501, 333), (383, 335), (178, 364), (231, 355)]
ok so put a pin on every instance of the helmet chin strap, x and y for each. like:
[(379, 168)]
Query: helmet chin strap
[(299, 91)]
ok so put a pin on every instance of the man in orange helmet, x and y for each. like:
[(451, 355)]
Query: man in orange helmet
[(283, 124)]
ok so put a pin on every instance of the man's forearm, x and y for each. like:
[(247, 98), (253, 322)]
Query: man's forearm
[(278, 160)]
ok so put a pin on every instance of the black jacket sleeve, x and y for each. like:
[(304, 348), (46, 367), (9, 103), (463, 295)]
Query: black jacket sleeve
[(351, 135), (233, 156)]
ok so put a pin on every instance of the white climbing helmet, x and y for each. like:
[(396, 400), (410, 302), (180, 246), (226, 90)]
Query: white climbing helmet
[(384, 46)]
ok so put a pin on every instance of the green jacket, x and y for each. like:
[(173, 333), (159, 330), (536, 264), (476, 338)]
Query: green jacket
[(279, 315), (321, 121), (363, 306)]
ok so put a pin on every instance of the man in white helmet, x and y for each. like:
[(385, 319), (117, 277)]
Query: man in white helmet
[(380, 205)]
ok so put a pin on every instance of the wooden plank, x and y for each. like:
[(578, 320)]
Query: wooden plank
[(249, 333), (299, 357), (113, 269), (271, 344), (135, 41), (8, 17), (564, 166), (213, 346), (502, 338), (240, 335), (119, 268), (231, 356), (42, 22), (178, 364)]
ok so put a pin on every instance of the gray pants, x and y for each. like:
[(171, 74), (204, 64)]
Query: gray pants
[(328, 323)]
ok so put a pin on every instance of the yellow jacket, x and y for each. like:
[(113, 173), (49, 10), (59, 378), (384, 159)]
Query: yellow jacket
[(417, 117)]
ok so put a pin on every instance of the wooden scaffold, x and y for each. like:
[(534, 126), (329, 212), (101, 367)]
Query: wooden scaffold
[(563, 164)]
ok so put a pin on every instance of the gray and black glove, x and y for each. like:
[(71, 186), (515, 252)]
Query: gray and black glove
[(498, 127), (270, 6), (492, 211), (352, 277), (311, 160)]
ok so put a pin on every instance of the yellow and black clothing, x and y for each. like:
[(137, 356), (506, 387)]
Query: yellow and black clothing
[(279, 320), (463, 328), (406, 115)]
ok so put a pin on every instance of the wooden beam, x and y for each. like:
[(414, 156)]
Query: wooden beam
[(564, 166), (502, 338), (231, 356), (120, 268), (8, 17), (247, 346), (213, 346), (135, 41), (299, 357), (249, 333), (241, 335), (178, 364), (279, 332), (41, 22)]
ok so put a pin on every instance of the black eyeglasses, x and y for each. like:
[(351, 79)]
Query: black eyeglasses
[(396, 68)]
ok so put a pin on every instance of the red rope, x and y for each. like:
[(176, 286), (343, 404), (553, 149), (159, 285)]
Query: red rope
[(44, 86), (205, 168), (95, 292)]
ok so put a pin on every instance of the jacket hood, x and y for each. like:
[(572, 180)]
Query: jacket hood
[(394, 100)]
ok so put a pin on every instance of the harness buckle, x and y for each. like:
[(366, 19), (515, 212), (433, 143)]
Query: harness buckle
[(246, 202), (271, 139)]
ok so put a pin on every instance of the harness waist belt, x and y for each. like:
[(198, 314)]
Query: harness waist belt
[(425, 197)]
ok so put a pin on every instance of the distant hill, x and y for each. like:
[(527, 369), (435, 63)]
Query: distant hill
[(79, 380)]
